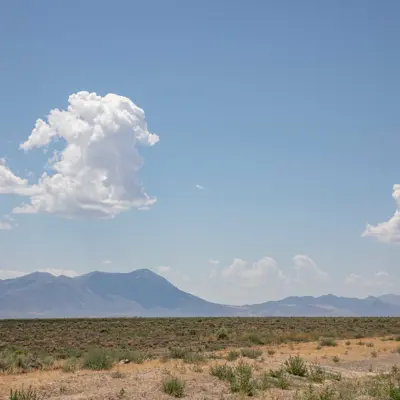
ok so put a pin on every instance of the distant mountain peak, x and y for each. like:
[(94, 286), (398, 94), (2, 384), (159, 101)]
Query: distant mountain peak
[(143, 292)]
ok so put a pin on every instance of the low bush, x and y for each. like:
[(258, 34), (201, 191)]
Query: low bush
[(327, 341), (223, 372), (243, 381), (296, 366), (97, 360), (174, 387), (233, 355), (251, 353)]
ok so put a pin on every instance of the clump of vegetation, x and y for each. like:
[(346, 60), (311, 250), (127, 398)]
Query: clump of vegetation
[(243, 381), (178, 353), (265, 381), (271, 352), (131, 356), (20, 361), (347, 343), (240, 377), (369, 344), (316, 373), (311, 393), (194, 358), (335, 359), (117, 374), (296, 366), (223, 372), (374, 354), (25, 394), (97, 360), (251, 353), (197, 368), (233, 355), (327, 341), (281, 380), (222, 334), (71, 365), (174, 387), (394, 393), (254, 338)]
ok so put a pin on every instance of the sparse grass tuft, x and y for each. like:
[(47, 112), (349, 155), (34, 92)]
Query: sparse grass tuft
[(312, 393), (281, 380), (233, 355), (174, 387), (251, 353), (271, 352), (197, 368), (117, 374), (316, 373), (335, 359), (71, 365), (25, 394), (177, 353), (327, 341), (194, 358)]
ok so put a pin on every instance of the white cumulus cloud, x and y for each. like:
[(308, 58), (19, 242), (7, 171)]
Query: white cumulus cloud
[(253, 274), (96, 173), (378, 281), (388, 231), (306, 269), (266, 271)]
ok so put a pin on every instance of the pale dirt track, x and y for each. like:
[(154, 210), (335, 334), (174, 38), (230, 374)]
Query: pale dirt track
[(143, 381)]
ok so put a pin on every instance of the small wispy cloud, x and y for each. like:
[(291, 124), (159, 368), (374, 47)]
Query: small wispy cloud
[(106, 262), (163, 269), (213, 262), (5, 226), (200, 187), (7, 223), (58, 272)]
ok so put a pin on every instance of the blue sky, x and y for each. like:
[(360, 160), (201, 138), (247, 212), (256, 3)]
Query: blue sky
[(285, 112)]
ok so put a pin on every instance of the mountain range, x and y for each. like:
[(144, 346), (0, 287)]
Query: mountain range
[(144, 293)]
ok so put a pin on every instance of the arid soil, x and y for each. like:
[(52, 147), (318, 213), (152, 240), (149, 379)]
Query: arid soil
[(353, 359)]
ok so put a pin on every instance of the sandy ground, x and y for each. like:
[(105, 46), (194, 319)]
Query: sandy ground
[(143, 381)]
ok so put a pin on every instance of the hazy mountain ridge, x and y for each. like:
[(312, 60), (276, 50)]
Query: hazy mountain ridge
[(144, 293)]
